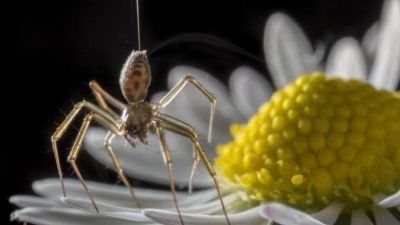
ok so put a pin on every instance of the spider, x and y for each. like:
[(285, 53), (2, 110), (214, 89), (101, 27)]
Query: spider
[(136, 118)]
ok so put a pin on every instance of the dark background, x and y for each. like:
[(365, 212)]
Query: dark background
[(54, 48)]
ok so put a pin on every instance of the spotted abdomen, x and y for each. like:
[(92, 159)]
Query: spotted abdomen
[(135, 77)]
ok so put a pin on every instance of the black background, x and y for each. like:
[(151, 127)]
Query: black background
[(52, 49)]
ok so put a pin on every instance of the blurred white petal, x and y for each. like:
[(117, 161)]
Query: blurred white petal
[(249, 89), (370, 41), (67, 216), (384, 217), (33, 201), (145, 162), (210, 207), (386, 68), (378, 197), (390, 201), (133, 214), (288, 51), (286, 215), (118, 195), (249, 217), (346, 60), (359, 217), (157, 96), (329, 214), (103, 207)]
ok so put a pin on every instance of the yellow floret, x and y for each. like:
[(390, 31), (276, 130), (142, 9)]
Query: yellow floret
[(318, 140)]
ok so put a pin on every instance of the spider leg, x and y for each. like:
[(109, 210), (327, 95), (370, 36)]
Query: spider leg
[(101, 116), (194, 169), (178, 89), (168, 163), (179, 127), (103, 97), (73, 156), (107, 143)]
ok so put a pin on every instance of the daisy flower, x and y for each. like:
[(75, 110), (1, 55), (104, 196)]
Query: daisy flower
[(320, 165)]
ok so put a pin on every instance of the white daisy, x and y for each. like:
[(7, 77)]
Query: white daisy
[(145, 162), (288, 54)]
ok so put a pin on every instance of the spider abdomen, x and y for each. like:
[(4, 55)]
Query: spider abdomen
[(135, 77)]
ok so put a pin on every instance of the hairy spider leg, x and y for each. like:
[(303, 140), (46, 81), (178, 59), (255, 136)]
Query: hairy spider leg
[(179, 127), (103, 97), (178, 89), (173, 93), (96, 113), (168, 163), (118, 168)]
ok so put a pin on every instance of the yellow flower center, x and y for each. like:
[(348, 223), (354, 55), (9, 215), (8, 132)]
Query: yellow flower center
[(317, 141)]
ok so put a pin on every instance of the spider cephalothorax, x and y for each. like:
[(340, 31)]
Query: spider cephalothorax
[(138, 117)]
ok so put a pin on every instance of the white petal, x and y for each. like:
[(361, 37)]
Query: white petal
[(134, 217), (249, 217), (386, 68), (146, 162), (370, 41), (33, 201), (347, 60), (102, 206), (118, 195), (66, 216), (130, 213), (329, 214), (358, 217), (193, 206), (287, 50), (391, 201), (157, 96), (384, 217), (211, 207), (285, 215), (377, 198), (249, 89)]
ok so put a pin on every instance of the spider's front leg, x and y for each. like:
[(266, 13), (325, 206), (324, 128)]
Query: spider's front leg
[(97, 114), (174, 125), (103, 97), (178, 89)]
